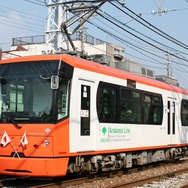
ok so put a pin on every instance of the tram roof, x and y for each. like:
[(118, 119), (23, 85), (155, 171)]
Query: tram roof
[(98, 68)]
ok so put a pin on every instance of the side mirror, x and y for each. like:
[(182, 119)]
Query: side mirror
[(54, 82)]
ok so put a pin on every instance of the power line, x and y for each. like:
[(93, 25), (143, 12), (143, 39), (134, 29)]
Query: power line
[(130, 45), (16, 21), (163, 45), (165, 51), (26, 14), (36, 3), (165, 35), (149, 43), (16, 25), (121, 40)]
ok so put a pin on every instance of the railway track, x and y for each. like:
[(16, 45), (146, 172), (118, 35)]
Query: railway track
[(150, 179), (22, 181), (138, 182), (112, 180)]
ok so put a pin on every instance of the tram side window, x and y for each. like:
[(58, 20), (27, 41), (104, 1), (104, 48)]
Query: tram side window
[(130, 106), (106, 104), (184, 112), (152, 109)]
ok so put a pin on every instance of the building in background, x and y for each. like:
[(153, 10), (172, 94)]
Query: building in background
[(98, 50)]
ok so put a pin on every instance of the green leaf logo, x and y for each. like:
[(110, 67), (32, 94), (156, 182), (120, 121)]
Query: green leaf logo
[(104, 130)]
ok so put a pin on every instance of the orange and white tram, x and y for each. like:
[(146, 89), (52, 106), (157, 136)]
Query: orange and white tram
[(61, 114)]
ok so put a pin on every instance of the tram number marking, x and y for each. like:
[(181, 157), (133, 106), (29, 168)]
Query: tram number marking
[(84, 113)]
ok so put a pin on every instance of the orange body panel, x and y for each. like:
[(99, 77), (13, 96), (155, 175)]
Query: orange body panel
[(37, 134), (40, 159), (34, 166)]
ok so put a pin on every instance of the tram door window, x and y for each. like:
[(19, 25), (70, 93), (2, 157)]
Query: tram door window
[(171, 117), (85, 110)]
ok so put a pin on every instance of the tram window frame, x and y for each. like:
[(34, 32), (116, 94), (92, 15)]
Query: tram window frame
[(155, 104), (184, 112), (152, 109), (130, 106), (107, 102)]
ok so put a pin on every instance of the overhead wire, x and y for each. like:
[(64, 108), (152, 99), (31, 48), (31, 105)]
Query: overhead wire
[(15, 18), (163, 45), (133, 46), (146, 60), (16, 21), (36, 3), (184, 59), (130, 45), (17, 25), (174, 51), (157, 47), (126, 36), (26, 14), (157, 30), (164, 51), (125, 42), (26, 25)]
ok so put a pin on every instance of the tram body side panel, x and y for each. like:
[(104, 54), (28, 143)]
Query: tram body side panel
[(132, 136), (113, 136), (182, 131), (170, 129), (83, 117)]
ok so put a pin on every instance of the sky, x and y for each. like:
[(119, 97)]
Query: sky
[(147, 41)]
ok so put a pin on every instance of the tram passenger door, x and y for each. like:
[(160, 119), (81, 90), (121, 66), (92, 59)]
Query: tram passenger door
[(86, 141), (171, 123)]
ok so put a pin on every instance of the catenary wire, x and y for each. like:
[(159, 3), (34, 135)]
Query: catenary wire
[(163, 45), (165, 35), (165, 51), (38, 18)]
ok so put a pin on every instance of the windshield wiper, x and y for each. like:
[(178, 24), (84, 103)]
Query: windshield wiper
[(12, 120)]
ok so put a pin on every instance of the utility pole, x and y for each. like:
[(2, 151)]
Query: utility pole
[(168, 64), (83, 39), (169, 68)]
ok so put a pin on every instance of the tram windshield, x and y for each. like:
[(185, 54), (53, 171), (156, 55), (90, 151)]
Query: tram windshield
[(27, 95)]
